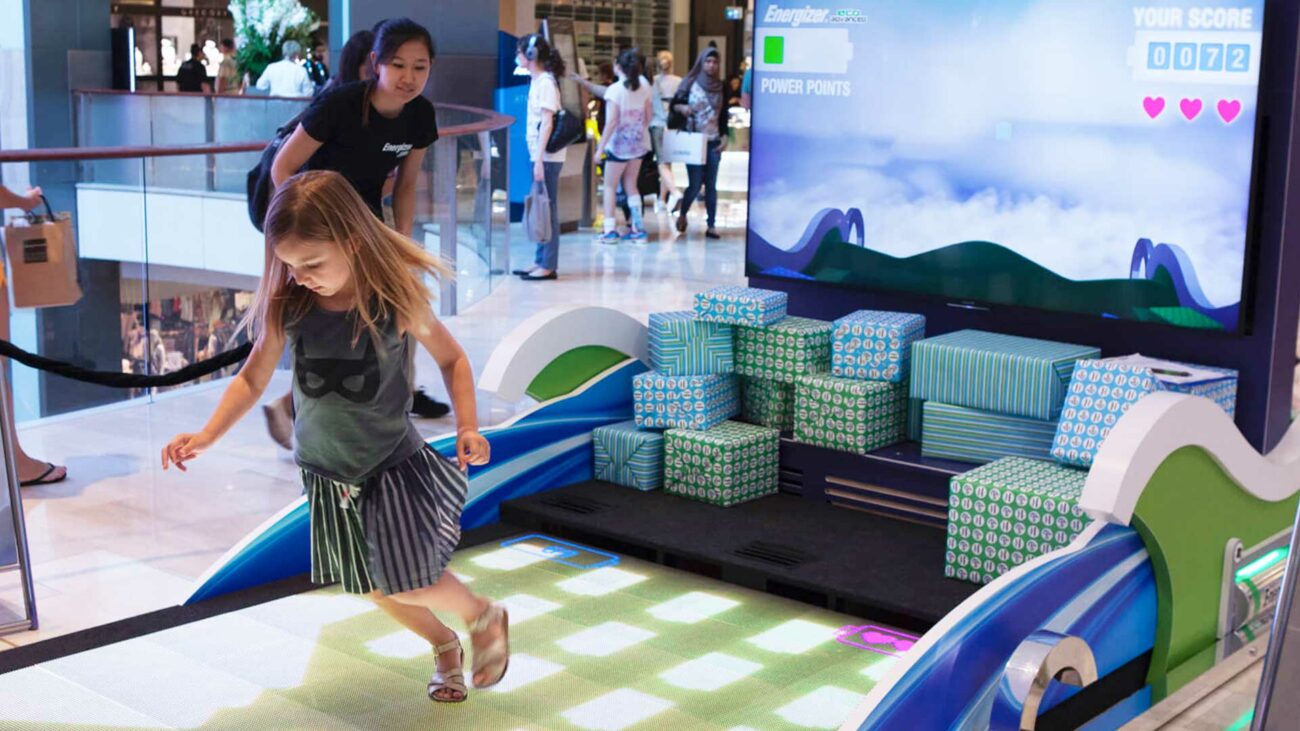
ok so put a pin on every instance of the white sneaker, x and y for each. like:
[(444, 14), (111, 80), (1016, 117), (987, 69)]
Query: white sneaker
[(659, 205)]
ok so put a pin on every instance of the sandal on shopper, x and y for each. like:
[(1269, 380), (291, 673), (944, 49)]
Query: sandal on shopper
[(681, 223), (493, 658), (449, 681), (44, 478)]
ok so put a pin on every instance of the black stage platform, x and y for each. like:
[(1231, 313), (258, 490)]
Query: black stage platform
[(854, 562)]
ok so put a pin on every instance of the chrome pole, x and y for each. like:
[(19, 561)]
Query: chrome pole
[(16, 508)]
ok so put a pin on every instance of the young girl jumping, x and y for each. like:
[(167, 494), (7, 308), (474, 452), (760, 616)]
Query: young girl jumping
[(348, 294)]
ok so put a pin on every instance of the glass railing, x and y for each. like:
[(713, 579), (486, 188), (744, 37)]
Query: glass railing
[(168, 257)]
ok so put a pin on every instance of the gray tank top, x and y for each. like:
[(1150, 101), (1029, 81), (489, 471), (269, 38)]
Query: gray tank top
[(350, 401)]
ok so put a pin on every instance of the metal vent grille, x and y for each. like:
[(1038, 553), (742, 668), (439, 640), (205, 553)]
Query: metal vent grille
[(771, 553)]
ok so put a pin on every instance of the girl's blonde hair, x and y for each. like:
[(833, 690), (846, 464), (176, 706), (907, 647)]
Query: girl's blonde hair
[(387, 268)]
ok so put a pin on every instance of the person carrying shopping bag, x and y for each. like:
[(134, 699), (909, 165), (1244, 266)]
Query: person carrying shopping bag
[(699, 98), (544, 65)]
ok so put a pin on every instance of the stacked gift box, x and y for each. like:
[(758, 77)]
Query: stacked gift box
[(1103, 390), (860, 402), (770, 360), (692, 390), (1008, 512), (990, 395)]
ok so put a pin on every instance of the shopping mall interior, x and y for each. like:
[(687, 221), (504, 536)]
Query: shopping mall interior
[(751, 365)]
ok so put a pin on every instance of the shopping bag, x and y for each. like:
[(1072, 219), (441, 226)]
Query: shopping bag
[(42, 255), (537, 213), (684, 147)]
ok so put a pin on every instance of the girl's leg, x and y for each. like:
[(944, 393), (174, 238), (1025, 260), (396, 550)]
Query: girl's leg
[(667, 188), (630, 173), (613, 172), (422, 622), (449, 595)]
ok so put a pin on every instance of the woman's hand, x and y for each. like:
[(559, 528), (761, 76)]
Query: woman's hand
[(471, 449), (185, 447), (684, 109), (32, 199), (539, 172)]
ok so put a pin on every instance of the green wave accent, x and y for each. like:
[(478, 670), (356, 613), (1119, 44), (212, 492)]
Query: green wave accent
[(1187, 513), (572, 369), (983, 271)]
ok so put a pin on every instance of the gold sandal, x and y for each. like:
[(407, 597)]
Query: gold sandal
[(453, 680), (498, 652)]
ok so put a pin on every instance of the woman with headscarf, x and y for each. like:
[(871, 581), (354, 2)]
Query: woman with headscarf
[(700, 98)]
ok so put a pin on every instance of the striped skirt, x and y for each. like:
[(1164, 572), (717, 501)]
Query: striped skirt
[(395, 532)]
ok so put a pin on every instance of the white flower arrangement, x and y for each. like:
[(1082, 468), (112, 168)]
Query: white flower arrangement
[(262, 27)]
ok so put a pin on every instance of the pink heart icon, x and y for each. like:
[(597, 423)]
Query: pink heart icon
[(1153, 105), (1228, 110), (1191, 108)]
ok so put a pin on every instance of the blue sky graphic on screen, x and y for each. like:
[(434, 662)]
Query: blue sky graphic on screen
[(1087, 156)]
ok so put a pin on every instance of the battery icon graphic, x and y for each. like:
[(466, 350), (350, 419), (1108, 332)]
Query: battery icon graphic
[(804, 50)]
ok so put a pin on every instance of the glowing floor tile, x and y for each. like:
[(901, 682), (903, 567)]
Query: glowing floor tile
[(306, 614), (696, 606), (794, 637), (523, 607), (616, 710), (826, 707), (403, 645), (525, 670), (511, 558), (710, 672), (604, 640), (600, 582), (43, 699), (464, 578), (877, 670)]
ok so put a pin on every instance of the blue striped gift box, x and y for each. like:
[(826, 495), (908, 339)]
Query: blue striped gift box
[(1104, 390), (741, 305), (1004, 374), (681, 345), (628, 456), (915, 418), (971, 435), (661, 401), (875, 346)]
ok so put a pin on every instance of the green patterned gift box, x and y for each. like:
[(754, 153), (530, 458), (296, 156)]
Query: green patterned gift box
[(971, 435), (628, 456), (1004, 374), (767, 403), (725, 465), (793, 347), (683, 402), (848, 414), (741, 305), (1008, 512), (681, 345)]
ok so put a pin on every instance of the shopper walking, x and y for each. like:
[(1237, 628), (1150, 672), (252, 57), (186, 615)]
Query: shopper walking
[(365, 131), (700, 98), (192, 76), (665, 88), (348, 295), (287, 77), (228, 78), (544, 66), (30, 471), (624, 140)]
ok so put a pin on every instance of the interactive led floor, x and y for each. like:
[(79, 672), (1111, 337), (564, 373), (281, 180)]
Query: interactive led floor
[(600, 642)]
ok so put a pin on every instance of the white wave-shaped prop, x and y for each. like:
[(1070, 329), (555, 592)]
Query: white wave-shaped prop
[(1162, 423)]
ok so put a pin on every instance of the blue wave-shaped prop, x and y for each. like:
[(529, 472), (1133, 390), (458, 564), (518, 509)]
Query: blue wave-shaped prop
[(1104, 593), (1148, 258), (765, 256), (546, 448)]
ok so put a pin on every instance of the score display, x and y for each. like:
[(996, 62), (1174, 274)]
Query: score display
[(1196, 45)]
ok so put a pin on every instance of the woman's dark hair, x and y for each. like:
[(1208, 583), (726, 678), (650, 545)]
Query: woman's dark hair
[(390, 35), (535, 48), (393, 33), (227, 44), (632, 64), (355, 54)]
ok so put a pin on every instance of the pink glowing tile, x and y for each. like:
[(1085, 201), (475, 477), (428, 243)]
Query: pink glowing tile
[(879, 640)]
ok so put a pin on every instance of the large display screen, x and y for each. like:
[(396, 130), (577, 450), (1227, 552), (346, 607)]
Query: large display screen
[(1089, 156)]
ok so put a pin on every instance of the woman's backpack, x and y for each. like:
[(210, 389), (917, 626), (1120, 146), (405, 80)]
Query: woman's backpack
[(260, 185)]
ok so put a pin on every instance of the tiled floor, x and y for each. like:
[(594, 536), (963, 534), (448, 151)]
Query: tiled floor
[(631, 645), (121, 537)]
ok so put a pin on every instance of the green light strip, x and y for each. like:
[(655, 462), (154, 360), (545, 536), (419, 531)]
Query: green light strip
[(1261, 563), (1243, 722)]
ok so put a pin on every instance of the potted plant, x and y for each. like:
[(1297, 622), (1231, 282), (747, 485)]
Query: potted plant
[(262, 26)]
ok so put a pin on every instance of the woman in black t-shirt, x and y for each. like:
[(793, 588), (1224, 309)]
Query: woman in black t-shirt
[(366, 129)]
